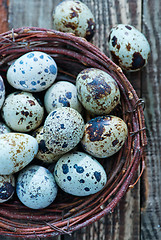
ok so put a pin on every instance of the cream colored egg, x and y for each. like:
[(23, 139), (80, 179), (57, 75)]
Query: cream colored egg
[(104, 136), (74, 17), (16, 151), (97, 91)]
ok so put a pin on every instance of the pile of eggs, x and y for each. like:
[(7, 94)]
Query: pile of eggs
[(37, 136), (128, 47)]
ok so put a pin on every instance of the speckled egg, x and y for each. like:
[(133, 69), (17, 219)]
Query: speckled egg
[(104, 136), (75, 17), (4, 128), (97, 91), (33, 72), (7, 187), (2, 92), (62, 94), (22, 111), (63, 130), (16, 151), (79, 174), (43, 152), (36, 187), (129, 48)]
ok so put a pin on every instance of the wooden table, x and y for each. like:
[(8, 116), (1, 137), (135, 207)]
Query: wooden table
[(138, 216)]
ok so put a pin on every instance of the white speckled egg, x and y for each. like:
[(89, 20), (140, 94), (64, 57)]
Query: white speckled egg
[(22, 111), (2, 92), (16, 151), (63, 130), (33, 72), (43, 153), (62, 94), (104, 136), (36, 187), (97, 91), (4, 128), (79, 174), (129, 48), (75, 17), (7, 187)]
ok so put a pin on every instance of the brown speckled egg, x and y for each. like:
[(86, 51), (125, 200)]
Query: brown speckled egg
[(16, 151), (63, 130), (97, 91), (104, 136), (7, 187), (74, 17), (128, 47), (43, 153), (22, 111)]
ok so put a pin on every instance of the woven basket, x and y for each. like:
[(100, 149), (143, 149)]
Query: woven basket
[(68, 213)]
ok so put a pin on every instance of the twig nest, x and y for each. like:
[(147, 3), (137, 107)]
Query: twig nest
[(128, 47), (75, 17)]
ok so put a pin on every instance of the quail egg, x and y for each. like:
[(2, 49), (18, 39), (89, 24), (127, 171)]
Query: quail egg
[(22, 111), (63, 130), (7, 187), (36, 187), (104, 136), (16, 151), (79, 174), (97, 91), (33, 72), (62, 94), (128, 47), (74, 17)]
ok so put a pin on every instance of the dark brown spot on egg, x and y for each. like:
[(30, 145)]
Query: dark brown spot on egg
[(128, 27), (31, 102), (98, 87), (128, 47), (114, 41), (118, 46), (95, 131), (73, 13), (137, 61), (115, 58), (25, 113), (20, 121), (73, 25), (90, 29), (115, 142)]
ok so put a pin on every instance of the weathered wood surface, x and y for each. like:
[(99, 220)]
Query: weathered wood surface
[(128, 221)]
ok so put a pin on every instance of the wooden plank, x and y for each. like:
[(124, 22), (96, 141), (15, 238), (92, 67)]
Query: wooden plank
[(4, 15), (151, 216)]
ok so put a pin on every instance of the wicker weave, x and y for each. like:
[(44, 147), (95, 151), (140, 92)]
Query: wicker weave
[(69, 213)]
